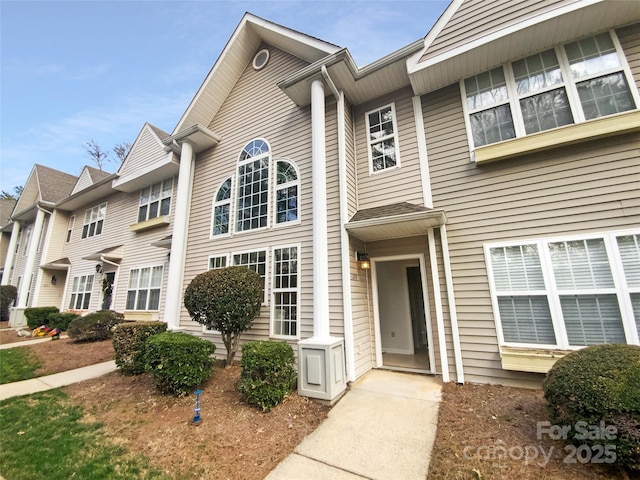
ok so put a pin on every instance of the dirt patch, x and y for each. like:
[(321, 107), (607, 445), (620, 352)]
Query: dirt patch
[(61, 355), (9, 335), (233, 440), (490, 432)]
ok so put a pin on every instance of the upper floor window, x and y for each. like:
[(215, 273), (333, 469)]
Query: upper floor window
[(70, 225), (93, 220), (144, 288), (253, 186), (222, 208), (27, 238), (287, 192), (382, 139), (567, 293), (155, 201), (569, 84)]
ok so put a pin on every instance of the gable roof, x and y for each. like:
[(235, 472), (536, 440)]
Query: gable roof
[(44, 186), (89, 176), (6, 208), (473, 36), (250, 33)]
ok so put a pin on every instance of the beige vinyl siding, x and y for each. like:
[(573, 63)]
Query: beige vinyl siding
[(559, 192), (146, 151), (476, 19), (83, 182), (402, 184), (363, 336), (257, 108), (350, 162), (630, 41), (122, 211), (51, 249), (55, 236)]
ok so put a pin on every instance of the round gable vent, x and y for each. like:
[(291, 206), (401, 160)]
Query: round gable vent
[(261, 59)]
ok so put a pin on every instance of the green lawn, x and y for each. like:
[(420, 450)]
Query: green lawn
[(17, 364), (44, 437)]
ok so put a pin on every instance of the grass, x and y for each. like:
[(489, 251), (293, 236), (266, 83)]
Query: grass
[(44, 436), (17, 364)]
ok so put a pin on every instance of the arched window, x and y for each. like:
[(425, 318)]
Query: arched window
[(222, 208), (253, 186), (287, 192)]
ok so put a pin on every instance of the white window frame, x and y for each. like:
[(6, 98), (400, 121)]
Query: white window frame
[(238, 185), (569, 84), (99, 217), (221, 203), (266, 267), (394, 136), (275, 291), (148, 288), (620, 289), (19, 242), (70, 226), (81, 293), (224, 257), (163, 195), (284, 186)]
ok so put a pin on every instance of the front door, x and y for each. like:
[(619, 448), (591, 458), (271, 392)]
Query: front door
[(402, 332), (108, 282)]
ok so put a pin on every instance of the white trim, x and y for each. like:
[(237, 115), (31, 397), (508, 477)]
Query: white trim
[(437, 298), (423, 158), (455, 334), (297, 290), (396, 143)]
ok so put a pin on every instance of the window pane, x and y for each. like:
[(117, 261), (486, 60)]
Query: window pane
[(592, 55), (153, 210), (486, 89), (526, 320), (491, 126), (131, 300), (517, 268), (285, 173), (154, 299), (605, 96), (635, 303), (87, 298), (142, 213), (253, 194), (547, 110), (224, 192), (144, 277), (581, 264), (592, 319), (156, 277), (142, 300), (537, 72), (629, 246), (287, 204), (165, 205)]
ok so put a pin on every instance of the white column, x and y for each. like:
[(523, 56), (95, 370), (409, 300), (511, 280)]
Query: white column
[(11, 252), (31, 259), (179, 238), (319, 198)]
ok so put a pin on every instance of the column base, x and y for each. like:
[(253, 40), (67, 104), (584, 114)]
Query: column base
[(321, 368), (17, 318)]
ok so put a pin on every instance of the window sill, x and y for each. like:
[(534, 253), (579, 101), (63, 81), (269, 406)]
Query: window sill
[(530, 360), (149, 224), (559, 137)]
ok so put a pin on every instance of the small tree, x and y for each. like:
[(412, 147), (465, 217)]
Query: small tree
[(226, 300)]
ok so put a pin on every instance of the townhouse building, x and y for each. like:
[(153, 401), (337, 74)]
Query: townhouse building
[(467, 206)]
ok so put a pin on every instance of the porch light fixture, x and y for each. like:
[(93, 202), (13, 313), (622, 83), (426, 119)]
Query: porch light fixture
[(99, 268), (53, 280), (363, 260)]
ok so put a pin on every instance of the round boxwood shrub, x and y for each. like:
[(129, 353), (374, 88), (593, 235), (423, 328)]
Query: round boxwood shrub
[(94, 326), (37, 316), (226, 300), (599, 386), (60, 320), (129, 341), (178, 361), (268, 373)]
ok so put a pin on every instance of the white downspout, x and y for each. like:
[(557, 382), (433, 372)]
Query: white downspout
[(11, 252), (435, 280), (344, 236), (452, 305), (179, 237)]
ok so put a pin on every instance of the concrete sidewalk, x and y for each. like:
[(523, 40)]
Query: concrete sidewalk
[(56, 380), (382, 429)]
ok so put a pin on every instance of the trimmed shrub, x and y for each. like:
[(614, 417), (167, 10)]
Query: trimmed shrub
[(227, 300), (178, 362), (37, 316), (95, 326), (60, 320), (268, 373), (8, 294), (599, 386), (128, 342)]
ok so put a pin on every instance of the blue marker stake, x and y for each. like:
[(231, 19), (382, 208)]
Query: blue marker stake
[(196, 417)]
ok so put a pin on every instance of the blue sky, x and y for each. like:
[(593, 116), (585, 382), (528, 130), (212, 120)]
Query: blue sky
[(75, 71)]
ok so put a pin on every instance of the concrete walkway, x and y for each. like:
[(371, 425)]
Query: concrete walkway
[(382, 429)]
